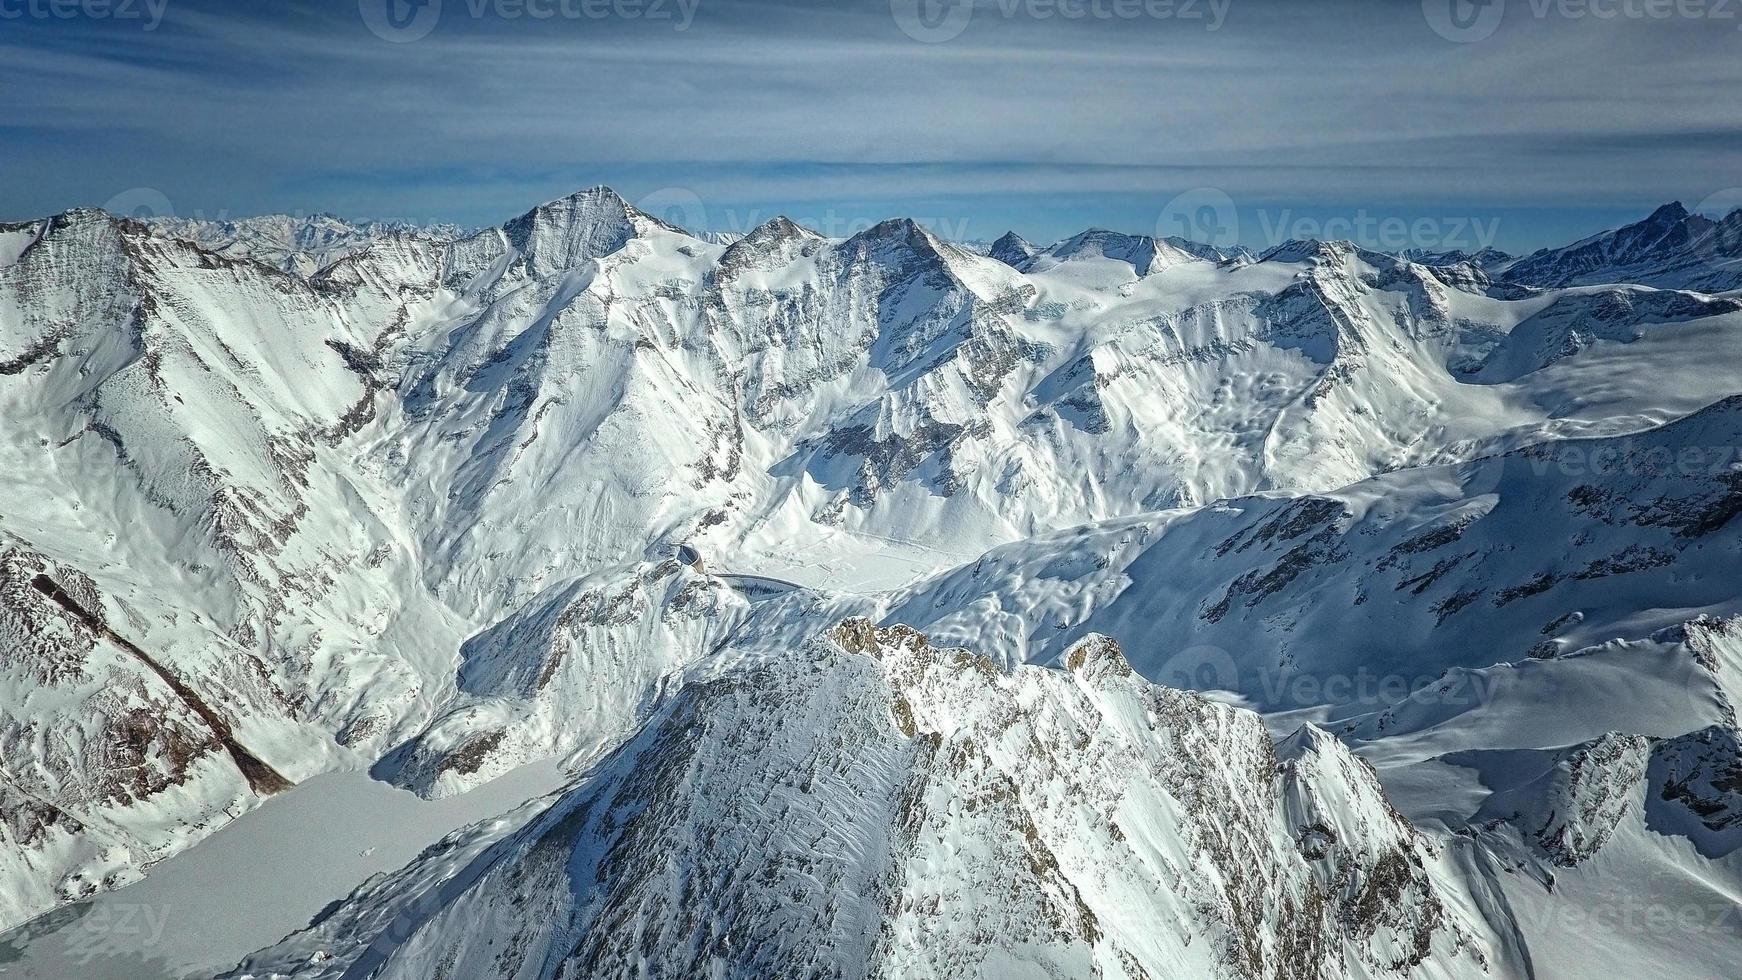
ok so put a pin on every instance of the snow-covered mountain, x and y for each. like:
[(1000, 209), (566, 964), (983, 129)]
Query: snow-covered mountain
[(1486, 258), (1144, 255), (1012, 249), (301, 245), (1671, 249), (1454, 541), (847, 807)]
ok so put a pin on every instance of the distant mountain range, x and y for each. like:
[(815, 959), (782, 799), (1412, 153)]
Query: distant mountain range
[(1672, 248), (300, 245)]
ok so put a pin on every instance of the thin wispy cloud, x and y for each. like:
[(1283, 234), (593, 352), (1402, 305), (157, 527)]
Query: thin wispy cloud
[(233, 109)]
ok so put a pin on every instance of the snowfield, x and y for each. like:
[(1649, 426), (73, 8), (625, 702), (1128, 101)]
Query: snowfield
[(615, 601)]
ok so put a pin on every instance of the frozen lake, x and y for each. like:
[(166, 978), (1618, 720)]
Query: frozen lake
[(259, 878)]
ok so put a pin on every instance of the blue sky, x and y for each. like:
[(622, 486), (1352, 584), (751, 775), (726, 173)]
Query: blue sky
[(1262, 119)]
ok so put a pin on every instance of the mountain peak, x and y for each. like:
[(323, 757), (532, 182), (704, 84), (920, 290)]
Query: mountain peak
[(1144, 253), (1012, 249), (585, 225), (1307, 738), (777, 236), (1297, 250), (897, 233), (1097, 237), (893, 228), (596, 194), (1483, 258), (82, 215), (1136, 250), (779, 226), (1668, 214), (591, 201)]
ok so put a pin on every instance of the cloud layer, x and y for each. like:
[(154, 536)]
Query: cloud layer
[(1042, 115)]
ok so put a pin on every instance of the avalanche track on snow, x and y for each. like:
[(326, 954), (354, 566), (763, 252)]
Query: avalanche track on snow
[(265, 779)]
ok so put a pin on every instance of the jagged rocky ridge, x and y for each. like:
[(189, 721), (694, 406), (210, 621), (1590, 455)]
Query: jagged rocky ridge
[(844, 809)]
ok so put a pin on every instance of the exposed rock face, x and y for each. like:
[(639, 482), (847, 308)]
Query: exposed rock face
[(90, 742), (1012, 250), (1571, 809), (1697, 781)]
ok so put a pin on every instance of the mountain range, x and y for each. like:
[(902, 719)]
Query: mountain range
[(876, 606)]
